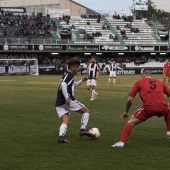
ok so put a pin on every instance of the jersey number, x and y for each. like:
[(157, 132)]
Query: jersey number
[(153, 85)]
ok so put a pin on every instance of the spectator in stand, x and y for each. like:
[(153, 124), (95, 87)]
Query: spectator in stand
[(104, 25), (96, 34), (123, 33), (116, 16), (84, 16), (135, 30), (88, 22), (82, 31), (117, 27), (111, 36), (115, 38), (72, 26), (98, 20), (128, 25)]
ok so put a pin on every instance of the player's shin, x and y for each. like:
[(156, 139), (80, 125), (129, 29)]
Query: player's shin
[(109, 80), (167, 121), (84, 120), (63, 129), (93, 94), (164, 79), (114, 80), (126, 132)]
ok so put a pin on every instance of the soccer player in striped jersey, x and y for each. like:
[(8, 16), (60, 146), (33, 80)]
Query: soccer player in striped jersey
[(93, 73), (112, 69), (66, 102)]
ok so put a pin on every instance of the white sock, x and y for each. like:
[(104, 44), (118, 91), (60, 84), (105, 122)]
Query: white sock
[(84, 120), (109, 80), (63, 129), (114, 81), (168, 133), (93, 94)]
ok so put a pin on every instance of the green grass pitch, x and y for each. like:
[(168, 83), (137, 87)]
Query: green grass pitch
[(29, 128)]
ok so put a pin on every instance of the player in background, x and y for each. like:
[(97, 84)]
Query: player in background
[(112, 69), (66, 102), (93, 70), (151, 92), (166, 71)]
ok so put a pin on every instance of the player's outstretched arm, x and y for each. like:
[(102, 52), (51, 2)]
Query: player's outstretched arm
[(128, 105), (119, 68), (78, 83), (85, 79)]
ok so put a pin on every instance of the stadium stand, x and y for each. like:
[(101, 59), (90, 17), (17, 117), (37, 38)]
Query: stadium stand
[(26, 29), (144, 34)]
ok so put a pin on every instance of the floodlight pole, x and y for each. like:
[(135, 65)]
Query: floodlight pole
[(134, 8)]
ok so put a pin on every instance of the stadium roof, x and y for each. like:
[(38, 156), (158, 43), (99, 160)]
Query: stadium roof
[(89, 11)]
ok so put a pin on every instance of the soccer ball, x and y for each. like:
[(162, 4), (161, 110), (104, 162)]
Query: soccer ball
[(95, 132)]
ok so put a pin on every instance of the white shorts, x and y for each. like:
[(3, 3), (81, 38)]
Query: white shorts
[(91, 82), (65, 108), (112, 74)]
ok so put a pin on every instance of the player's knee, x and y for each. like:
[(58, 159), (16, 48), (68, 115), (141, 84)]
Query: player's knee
[(86, 110), (133, 121)]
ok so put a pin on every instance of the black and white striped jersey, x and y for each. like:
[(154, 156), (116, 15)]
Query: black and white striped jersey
[(113, 67), (93, 69), (66, 83)]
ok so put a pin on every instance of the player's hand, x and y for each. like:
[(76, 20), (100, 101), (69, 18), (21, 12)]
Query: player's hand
[(96, 77), (124, 116), (84, 79), (67, 101)]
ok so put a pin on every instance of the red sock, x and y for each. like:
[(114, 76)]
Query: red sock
[(164, 80), (126, 132), (167, 120), (168, 79)]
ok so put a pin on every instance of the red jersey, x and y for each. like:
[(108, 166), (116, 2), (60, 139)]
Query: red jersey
[(167, 67), (151, 92)]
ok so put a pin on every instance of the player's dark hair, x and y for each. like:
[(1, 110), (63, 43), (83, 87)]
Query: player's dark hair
[(73, 62), (147, 72), (93, 57)]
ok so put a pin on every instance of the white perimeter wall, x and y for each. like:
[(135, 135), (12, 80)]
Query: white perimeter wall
[(76, 10), (162, 4)]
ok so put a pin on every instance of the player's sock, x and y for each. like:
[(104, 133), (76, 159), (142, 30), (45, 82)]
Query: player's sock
[(94, 91), (63, 129), (109, 80), (126, 132), (164, 80), (84, 120), (114, 81), (93, 94), (167, 120)]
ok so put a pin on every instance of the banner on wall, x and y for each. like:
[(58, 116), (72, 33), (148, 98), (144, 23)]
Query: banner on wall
[(13, 10)]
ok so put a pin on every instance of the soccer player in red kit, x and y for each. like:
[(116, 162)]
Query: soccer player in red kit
[(151, 92), (166, 71)]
